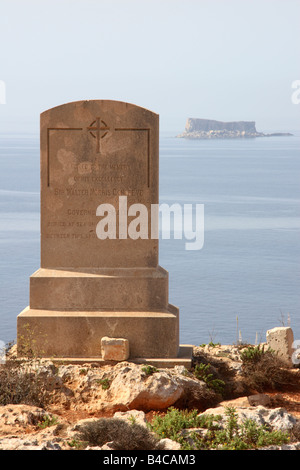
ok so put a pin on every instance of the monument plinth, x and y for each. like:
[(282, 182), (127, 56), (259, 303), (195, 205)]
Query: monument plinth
[(90, 286)]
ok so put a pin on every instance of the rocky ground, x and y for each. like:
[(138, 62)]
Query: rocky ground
[(45, 405)]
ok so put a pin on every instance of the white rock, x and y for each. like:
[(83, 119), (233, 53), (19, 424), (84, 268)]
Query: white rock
[(277, 418), (131, 388), (168, 444), (114, 349)]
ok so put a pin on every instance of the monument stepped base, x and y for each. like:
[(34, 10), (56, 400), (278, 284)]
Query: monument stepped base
[(83, 289), (69, 334), (184, 358)]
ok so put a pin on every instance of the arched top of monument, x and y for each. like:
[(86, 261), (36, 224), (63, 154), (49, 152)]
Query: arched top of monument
[(87, 109), (94, 152)]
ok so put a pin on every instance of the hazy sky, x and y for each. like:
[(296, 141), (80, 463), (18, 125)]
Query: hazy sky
[(215, 59)]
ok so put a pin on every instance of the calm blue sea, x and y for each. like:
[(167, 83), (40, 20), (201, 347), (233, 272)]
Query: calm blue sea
[(249, 266)]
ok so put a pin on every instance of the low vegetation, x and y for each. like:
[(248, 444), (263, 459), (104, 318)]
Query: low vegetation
[(213, 435), (203, 372), (149, 370), (20, 383), (253, 354), (264, 370), (26, 382), (105, 384), (47, 422), (125, 435)]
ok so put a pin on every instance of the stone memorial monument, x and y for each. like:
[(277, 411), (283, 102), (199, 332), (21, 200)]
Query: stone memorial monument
[(99, 166)]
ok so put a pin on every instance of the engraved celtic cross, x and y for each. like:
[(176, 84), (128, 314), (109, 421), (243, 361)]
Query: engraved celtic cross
[(96, 128)]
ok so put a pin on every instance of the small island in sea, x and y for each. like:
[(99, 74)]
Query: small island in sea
[(210, 129)]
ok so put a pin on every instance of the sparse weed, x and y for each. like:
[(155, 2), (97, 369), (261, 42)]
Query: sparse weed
[(211, 344), (29, 342), (202, 372), (104, 383), (149, 370), (254, 353), (48, 421), (171, 425), (77, 445)]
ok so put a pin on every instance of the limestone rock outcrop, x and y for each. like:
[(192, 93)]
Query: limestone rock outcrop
[(81, 393)]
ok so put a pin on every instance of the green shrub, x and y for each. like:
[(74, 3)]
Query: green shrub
[(77, 445), (247, 435), (231, 436), (202, 372), (171, 425), (47, 422), (253, 353)]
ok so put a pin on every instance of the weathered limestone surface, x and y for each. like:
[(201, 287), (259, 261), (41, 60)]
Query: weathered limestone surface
[(280, 339), (115, 349), (278, 418), (78, 397)]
